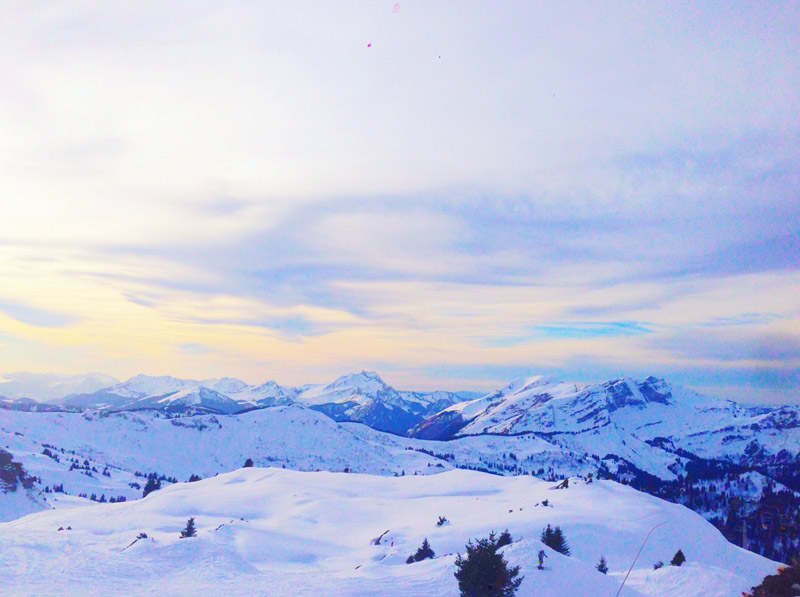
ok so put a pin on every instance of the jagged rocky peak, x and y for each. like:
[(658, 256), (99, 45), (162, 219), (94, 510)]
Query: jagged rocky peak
[(655, 389), (628, 392)]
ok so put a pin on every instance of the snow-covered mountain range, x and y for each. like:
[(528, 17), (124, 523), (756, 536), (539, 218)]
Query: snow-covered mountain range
[(363, 397), (635, 420), (668, 440), (650, 424)]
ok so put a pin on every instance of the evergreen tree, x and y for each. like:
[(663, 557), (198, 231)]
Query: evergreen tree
[(783, 584), (189, 530), (194, 478), (152, 485), (504, 539), (248, 463), (677, 559), (422, 553), (484, 572), (602, 565), (554, 538)]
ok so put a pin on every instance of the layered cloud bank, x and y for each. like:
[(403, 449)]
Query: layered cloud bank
[(454, 194)]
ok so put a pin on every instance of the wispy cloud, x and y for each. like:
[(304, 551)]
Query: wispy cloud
[(584, 192), (36, 317)]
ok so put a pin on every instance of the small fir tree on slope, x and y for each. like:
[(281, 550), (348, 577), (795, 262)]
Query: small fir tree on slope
[(677, 559), (189, 530), (422, 553)]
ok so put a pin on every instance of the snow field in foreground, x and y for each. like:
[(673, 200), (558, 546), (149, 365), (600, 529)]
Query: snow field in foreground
[(275, 531)]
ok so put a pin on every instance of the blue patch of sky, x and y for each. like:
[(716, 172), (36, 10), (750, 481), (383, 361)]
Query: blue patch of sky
[(743, 319), (580, 329), (38, 317)]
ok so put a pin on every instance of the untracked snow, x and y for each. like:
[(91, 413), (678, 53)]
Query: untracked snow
[(274, 531)]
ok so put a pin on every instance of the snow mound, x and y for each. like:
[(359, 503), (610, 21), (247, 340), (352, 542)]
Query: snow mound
[(275, 531)]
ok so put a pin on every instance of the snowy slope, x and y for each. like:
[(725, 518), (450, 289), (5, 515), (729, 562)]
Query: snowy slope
[(199, 399), (117, 445), (46, 387), (140, 386), (267, 394), (273, 531)]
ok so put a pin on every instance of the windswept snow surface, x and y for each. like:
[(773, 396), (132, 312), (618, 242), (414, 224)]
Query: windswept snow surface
[(273, 531)]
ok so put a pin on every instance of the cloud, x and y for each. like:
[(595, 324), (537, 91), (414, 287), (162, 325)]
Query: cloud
[(769, 349), (593, 191), (194, 348), (35, 316)]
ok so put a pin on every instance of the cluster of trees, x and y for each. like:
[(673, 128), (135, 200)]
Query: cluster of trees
[(50, 454), (555, 540), (157, 476), (153, 484), (102, 498), (154, 481)]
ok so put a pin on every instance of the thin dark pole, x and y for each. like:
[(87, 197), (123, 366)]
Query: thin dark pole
[(646, 537)]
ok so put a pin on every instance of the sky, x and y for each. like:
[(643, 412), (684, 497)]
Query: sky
[(453, 194)]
